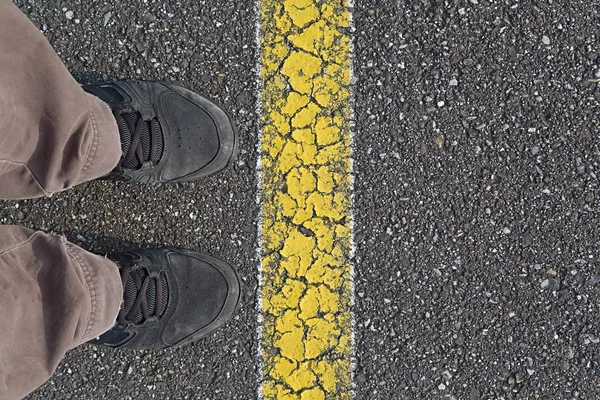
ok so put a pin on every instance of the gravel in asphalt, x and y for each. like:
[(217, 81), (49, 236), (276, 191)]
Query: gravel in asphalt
[(477, 220)]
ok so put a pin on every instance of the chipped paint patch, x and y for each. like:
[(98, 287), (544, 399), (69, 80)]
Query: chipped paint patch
[(306, 199)]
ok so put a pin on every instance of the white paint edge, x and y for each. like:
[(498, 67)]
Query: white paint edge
[(259, 197), (353, 362)]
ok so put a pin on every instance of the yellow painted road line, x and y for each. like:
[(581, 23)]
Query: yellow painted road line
[(306, 277)]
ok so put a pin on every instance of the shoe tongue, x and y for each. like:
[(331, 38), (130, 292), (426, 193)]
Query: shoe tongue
[(132, 287), (130, 118)]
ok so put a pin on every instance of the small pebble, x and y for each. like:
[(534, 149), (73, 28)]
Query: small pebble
[(546, 40), (107, 18), (69, 15), (453, 82), (440, 141), (446, 375), (551, 284)]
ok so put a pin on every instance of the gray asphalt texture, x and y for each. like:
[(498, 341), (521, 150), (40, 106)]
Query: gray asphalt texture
[(477, 202), (476, 195)]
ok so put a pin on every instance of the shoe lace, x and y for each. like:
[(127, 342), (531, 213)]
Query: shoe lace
[(141, 140), (144, 296)]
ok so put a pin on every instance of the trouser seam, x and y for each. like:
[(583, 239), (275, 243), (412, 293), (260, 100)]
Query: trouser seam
[(30, 172), (91, 156), (17, 245), (91, 289)]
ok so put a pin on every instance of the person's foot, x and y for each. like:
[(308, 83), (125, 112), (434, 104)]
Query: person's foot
[(171, 297), (168, 133)]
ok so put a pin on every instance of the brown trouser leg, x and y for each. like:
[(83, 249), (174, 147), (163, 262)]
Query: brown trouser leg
[(53, 135), (53, 295)]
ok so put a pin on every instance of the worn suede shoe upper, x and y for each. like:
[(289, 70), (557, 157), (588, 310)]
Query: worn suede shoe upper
[(171, 297), (168, 133)]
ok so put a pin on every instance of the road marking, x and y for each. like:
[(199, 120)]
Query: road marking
[(305, 195)]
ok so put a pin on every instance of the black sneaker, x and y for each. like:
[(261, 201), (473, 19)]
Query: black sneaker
[(171, 297), (168, 133)]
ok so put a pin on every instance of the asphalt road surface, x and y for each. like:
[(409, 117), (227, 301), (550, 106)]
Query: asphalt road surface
[(476, 200)]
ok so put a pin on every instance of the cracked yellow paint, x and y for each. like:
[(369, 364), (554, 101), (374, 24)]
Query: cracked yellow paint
[(305, 155)]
